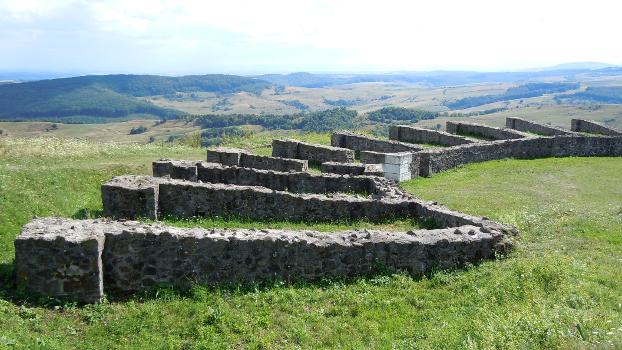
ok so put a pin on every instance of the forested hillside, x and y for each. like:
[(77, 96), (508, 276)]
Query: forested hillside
[(521, 91), (109, 96), (600, 94)]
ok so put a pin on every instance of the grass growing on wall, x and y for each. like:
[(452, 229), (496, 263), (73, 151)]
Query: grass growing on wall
[(560, 288)]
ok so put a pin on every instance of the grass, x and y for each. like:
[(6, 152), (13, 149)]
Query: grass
[(261, 142), (561, 287)]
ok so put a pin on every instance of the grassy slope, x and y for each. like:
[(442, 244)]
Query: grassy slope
[(561, 288)]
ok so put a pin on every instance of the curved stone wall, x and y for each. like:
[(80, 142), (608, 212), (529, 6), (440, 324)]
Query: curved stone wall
[(82, 259)]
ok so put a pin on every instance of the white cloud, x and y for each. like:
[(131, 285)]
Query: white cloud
[(333, 35)]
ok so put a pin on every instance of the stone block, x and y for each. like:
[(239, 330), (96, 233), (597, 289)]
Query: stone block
[(225, 156), (175, 169), (60, 258), (374, 170), (131, 197)]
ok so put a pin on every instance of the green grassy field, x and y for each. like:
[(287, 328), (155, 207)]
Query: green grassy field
[(560, 288)]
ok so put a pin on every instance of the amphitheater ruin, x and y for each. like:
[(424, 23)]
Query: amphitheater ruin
[(82, 259)]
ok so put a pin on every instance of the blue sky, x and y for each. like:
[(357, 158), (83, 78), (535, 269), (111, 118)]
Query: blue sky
[(248, 37)]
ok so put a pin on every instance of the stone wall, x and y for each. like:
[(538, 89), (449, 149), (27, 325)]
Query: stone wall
[(357, 142), (315, 153), (413, 134), (185, 199), (485, 131), (242, 158), (138, 256), (297, 182), (592, 127), (191, 199), (352, 169), (434, 161), (533, 127)]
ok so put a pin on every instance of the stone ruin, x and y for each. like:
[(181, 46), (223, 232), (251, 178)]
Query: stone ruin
[(82, 259)]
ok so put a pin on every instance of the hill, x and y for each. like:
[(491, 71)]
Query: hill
[(110, 96)]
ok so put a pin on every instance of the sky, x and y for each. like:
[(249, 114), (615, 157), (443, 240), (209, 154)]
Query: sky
[(273, 36)]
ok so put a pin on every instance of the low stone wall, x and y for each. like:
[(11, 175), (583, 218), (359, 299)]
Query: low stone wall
[(357, 142), (273, 163), (242, 158), (533, 127), (297, 182), (191, 199), (131, 256), (315, 153), (185, 199), (352, 169), (485, 131), (434, 161), (413, 134), (592, 127)]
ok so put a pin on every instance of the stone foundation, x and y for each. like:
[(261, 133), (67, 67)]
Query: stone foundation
[(592, 127), (413, 134), (484, 131), (357, 142), (82, 259), (299, 182), (533, 127), (186, 199), (434, 161), (352, 169), (138, 256), (242, 158), (314, 153)]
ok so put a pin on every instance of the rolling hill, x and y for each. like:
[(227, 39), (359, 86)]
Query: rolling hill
[(110, 96)]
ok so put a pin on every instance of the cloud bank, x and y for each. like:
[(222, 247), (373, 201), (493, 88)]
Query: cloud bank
[(237, 36)]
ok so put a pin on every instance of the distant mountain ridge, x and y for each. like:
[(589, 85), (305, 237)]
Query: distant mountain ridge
[(437, 78), (110, 96)]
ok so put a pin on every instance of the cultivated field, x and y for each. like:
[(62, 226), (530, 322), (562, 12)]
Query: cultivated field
[(560, 287)]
